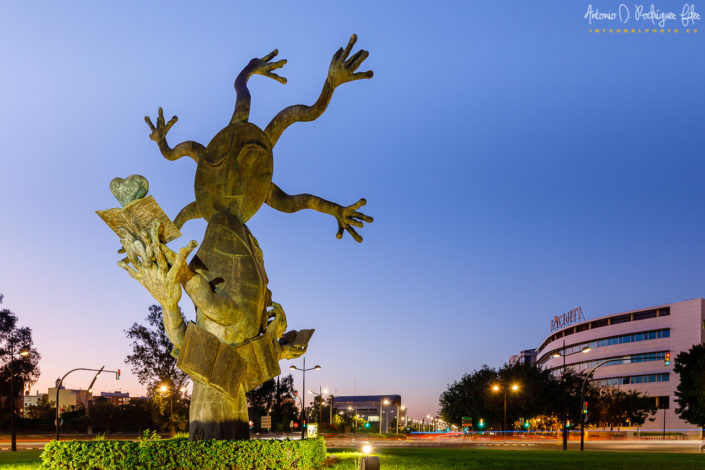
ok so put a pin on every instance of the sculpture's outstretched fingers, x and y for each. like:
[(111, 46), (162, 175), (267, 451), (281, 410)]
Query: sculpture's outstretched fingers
[(355, 61), (355, 223), (363, 217), (348, 48), (133, 273), (127, 241), (162, 127), (156, 250), (356, 236), (270, 56), (341, 229), (180, 260)]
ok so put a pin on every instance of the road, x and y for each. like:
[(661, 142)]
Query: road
[(687, 446), (348, 442)]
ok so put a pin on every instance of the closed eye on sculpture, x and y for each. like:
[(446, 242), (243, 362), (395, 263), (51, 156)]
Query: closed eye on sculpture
[(216, 157)]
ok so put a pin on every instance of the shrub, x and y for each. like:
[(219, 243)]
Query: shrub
[(180, 453)]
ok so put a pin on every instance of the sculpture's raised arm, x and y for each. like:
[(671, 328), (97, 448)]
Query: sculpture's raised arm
[(184, 149), (256, 66), (342, 70), (347, 216)]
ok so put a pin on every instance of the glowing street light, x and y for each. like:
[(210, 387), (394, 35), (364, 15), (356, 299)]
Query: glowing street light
[(562, 353), (303, 401), (497, 388)]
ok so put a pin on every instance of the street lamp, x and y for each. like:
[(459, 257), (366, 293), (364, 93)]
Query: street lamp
[(24, 352), (384, 402), (563, 354), (320, 394), (61, 381), (582, 396), (164, 389), (399, 408), (303, 395), (497, 388)]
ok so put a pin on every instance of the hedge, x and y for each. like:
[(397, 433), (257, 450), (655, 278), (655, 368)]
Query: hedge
[(180, 453)]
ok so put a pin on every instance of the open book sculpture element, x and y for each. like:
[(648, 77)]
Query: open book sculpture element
[(239, 334)]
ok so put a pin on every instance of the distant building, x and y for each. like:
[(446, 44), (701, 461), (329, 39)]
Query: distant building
[(116, 398), (527, 356), (378, 410), (30, 401), (69, 399), (639, 346)]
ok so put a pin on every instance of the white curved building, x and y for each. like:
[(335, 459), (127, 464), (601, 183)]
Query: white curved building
[(637, 341)]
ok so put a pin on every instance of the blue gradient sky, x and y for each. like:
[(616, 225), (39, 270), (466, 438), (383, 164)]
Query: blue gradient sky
[(516, 166)]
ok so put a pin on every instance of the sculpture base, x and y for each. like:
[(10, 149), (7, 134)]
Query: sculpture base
[(212, 415)]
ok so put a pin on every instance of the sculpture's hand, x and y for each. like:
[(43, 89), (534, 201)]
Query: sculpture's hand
[(348, 217), (150, 267), (277, 326), (342, 69), (159, 131), (264, 67), (290, 352)]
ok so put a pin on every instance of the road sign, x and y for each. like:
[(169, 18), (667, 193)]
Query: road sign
[(467, 421), (266, 422), (312, 430)]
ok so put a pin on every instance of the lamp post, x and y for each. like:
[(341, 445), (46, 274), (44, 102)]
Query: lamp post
[(24, 352), (303, 395), (88, 401), (320, 404), (497, 388), (385, 402), (582, 396), (399, 408), (164, 389), (58, 388), (565, 397)]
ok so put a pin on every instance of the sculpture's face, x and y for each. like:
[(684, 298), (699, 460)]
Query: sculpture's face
[(236, 172)]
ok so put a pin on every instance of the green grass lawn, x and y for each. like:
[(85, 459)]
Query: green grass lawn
[(443, 459), (20, 460), (437, 459)]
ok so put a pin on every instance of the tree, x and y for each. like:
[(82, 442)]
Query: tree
[(469, 397), (690, 393), (275, 398), (25, 368), (622, 408), (151, 361)]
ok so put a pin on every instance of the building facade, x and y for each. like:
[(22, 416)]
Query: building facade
[(116, 398), (380, 411), (31, 401), (635, 343)]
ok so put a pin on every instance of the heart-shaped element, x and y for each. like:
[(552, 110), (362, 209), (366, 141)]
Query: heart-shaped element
[(129, 189)]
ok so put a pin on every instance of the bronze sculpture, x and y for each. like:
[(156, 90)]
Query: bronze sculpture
[(239, 334)]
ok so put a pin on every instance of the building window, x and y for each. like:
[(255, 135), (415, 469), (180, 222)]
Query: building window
[(620, 319), (644, 315), (612, 340), (633, 379)]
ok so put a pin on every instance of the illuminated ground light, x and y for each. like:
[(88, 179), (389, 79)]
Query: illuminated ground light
[(366, 449)]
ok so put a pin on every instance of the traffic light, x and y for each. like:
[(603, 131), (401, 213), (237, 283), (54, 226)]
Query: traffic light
[(526, 424), (481, 424), (667, 359), (585, 404), (117, 375)]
